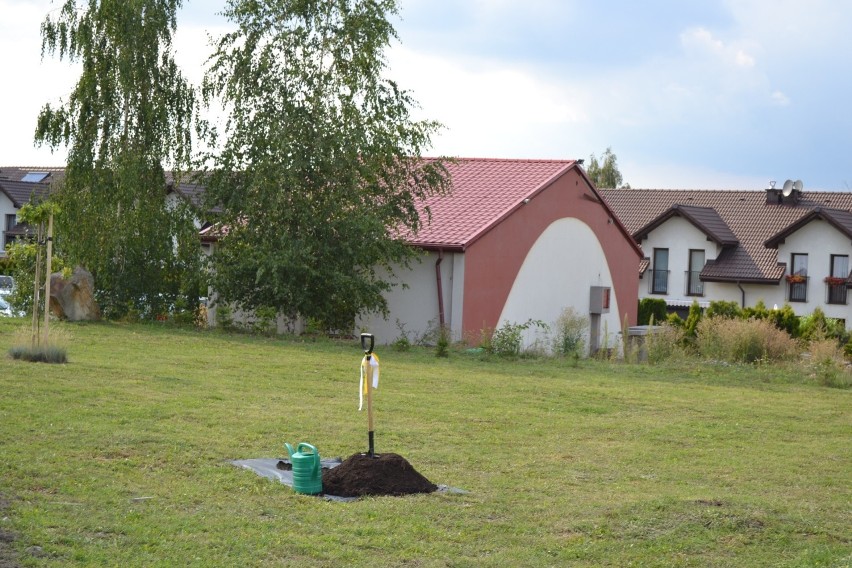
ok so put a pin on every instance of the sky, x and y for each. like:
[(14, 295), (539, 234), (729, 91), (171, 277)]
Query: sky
[(705, 94)]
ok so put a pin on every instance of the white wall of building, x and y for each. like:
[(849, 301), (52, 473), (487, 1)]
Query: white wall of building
[(6, 208), (819, 240), (413, 308), (557, 273), (679, 236)]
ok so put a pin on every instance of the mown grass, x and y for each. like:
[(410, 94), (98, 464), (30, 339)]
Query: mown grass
[(120, 457)]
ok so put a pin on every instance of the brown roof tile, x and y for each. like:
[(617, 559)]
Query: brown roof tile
[(749, 217)]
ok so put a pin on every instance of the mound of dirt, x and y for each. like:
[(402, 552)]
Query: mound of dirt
[(384, 474)]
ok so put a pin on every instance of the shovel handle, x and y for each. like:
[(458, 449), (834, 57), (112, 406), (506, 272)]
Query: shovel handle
[(364, 338)]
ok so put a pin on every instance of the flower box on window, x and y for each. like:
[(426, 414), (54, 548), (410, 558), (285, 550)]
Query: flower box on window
[(796, 278), (835, 280)]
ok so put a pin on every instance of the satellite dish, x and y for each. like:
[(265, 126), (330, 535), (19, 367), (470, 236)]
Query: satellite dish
[(797, 185), (788, 188)]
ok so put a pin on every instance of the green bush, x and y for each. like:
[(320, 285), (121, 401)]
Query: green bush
[(719, 308), (571, 329), (442, 345), (786, 319), (818, 326), (759, 311), (692, 321), (506, 340), (651, 308)]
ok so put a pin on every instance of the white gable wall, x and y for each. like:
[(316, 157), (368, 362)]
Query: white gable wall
[(679, 236), (6, 208), (819, 240), (557, 273)]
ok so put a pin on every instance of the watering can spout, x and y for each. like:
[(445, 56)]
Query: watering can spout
[(290, 450)]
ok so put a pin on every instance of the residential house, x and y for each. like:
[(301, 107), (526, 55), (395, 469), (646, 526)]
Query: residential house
[(777, 246), (515, 240), (17, 187)]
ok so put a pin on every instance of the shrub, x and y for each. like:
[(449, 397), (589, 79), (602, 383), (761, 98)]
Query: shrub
[(786, 319), (264, 322), (506, 340), (743, 341), (759, 311), (719, 308), (692, 320), (224, 317), (674, 320), (402, 342), (651, 308), (571, 329), (817, 326), (442, 345)]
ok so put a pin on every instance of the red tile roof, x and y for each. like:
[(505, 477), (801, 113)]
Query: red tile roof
[(484, 192), (751, 217)]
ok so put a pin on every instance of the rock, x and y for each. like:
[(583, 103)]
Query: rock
[(74, 299)]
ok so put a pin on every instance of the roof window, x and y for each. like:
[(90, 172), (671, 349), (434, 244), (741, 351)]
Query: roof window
[(34, 177)]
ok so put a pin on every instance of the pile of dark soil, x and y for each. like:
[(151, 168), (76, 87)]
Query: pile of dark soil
[(384, 474)]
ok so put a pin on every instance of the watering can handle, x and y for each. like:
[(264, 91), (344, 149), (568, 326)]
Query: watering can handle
[(315, 452), (364, 338)]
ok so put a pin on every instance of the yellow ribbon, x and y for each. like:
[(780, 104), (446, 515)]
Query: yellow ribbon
[(369, 368)]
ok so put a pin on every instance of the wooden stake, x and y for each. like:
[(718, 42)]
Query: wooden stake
[(47, 279), (37, 285)]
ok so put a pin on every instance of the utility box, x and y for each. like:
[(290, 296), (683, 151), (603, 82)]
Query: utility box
[(599, 300)]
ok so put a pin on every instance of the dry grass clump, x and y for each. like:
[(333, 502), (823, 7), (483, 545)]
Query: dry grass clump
[(665, 343), (54, 351), (743, 341), (827, 365)]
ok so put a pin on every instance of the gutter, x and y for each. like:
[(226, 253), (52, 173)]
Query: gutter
[(742, 290), (440, 287)]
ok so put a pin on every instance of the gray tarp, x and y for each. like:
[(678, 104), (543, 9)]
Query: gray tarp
[(268, 467)]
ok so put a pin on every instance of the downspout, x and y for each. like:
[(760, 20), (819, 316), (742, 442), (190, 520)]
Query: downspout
[(742, 291), (440, 287)]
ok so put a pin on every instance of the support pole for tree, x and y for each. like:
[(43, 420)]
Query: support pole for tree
[(47, 280), (37, 284)]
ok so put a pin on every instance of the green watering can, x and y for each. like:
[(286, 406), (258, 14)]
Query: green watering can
[(307, 473)]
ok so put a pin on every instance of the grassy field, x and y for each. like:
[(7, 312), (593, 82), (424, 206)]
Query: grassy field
[(120, 458)]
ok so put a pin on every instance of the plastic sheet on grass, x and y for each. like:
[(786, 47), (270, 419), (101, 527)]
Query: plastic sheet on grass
[(268, 467)]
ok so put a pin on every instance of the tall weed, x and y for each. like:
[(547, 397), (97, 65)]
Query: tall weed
[(743, 341)]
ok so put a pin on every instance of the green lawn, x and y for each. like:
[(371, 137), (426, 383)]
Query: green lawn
[(120, 458)]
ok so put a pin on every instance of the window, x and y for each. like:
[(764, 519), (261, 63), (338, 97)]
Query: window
[(660, 279), (836, 283), (34, 177), (694, 285), (798, 278), (8, 225)]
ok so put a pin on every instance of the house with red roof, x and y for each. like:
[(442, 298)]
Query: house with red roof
[(779, 246), (515, 240)]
